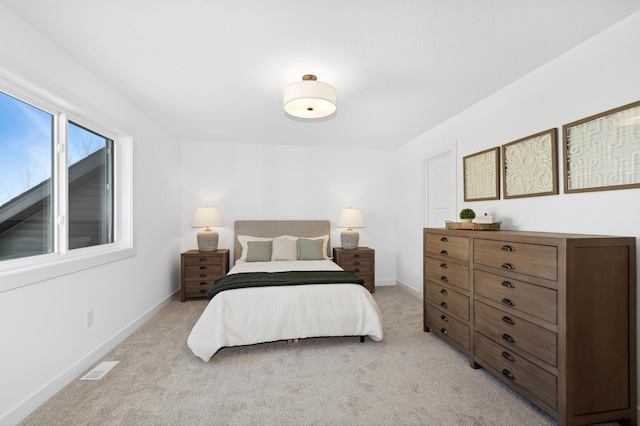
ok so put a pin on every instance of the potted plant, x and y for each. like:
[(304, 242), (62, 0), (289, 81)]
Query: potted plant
[(466, 215)]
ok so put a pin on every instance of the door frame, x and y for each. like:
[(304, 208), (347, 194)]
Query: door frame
[(450, 148)]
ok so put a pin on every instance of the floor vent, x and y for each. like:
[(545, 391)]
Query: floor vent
[(99, 370)]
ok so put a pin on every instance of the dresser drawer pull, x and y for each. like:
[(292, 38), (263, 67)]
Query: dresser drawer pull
[(444, 278), (203, 291), (509, 374), (444, 253), (203, 283), (203, 275), (444, 331), (444, 240), (508, 284), (508, 338), (203, 267), (355, 263), (508, 248), (444, 266), (506, 355), (444, 305), (508, 320), (203, 259), (443, 291), (508, 302), (444, 318), (508, 266)]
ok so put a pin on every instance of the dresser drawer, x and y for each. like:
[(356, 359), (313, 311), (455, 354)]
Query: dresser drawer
[(446, 245), (515, 333), (202, 260), (202, 272), (529, 259), (517, 296), (198, 288), (448, 328), (356, 265), (447, 299), (448, 272), (517, 370)]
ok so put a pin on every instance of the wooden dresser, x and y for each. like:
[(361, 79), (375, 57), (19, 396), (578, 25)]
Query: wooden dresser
[(361, 261), (551, 315), (199, 270)]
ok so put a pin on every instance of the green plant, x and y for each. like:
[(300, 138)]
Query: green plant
[(467, 214)]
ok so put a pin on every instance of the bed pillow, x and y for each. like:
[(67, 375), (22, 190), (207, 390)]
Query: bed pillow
[(243, 239), (284, 248), (310, 249), (259, 251), (325, 242)]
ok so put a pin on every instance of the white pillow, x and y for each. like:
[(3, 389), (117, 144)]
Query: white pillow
[(243, 242), (284, 248)]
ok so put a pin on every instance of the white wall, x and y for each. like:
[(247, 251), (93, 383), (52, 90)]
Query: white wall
[(43, 336), (286, 182), (598, 75)]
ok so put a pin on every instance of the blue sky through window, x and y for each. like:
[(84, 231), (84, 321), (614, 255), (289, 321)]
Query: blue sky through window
[(26, 135)]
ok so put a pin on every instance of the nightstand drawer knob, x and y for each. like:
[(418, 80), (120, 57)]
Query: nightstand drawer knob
[(444, 240), (508, 320), (508, 302), (444, 318), (444, 305), (508, 284), (203, 291), (356, 255), (355, 263), (203, 283), (508, 266), (356, 270), (506, 355), (509, 374), (444, 253), (444, 331), (444, 266), (203, 259), (444, 278), (443, 291), (203, 267), (508, 248), (203, 275), (508, 338)]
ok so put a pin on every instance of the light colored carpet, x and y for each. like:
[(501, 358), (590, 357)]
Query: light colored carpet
[(410, 378)]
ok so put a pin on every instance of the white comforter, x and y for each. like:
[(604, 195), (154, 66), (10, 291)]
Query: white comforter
[(265, 314)]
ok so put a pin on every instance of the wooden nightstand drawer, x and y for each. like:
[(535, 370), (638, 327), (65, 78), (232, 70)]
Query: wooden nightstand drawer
[(199, 270), (361, 261), (202, 272)]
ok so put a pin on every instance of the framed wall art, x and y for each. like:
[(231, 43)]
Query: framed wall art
[(602, 152), (530, 166), (481, 175)]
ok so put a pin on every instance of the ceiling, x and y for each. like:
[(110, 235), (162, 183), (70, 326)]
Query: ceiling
[(215, 70)]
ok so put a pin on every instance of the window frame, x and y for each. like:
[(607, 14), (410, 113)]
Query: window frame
[(16, 273)]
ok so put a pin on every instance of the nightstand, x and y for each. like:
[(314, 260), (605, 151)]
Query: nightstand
[(199, 270), (361, 261)]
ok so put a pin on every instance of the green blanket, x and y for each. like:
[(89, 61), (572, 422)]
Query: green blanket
[(266, 279)]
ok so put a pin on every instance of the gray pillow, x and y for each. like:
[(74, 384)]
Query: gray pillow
[(259, 251), (310, 249)]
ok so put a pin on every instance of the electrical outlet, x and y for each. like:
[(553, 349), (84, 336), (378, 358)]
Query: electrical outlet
[(89, 319)]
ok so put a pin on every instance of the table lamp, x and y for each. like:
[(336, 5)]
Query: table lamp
[(206, 217)]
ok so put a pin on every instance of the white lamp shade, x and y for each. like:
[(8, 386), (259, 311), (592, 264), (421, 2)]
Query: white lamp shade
[(350, 218), (309, 98), (205, 217)]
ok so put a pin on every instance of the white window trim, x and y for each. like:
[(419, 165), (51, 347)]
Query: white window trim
[(21, 272)]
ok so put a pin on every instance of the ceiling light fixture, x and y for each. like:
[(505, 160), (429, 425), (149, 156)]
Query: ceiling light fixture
[(309, 98)]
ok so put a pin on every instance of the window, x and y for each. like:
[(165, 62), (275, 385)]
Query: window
[(65, 190)]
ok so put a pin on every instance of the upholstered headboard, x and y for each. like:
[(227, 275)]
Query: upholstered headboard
[(275, 228)]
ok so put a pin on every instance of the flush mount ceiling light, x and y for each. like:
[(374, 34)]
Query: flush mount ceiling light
[(309, 98)]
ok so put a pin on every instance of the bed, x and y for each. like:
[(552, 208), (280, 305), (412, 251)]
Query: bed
[(284, 308)]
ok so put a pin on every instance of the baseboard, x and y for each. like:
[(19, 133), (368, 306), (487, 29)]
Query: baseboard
[(385, 283), (39, 397), (409, 289)]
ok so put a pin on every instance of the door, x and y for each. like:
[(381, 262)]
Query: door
[(440, 188)]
